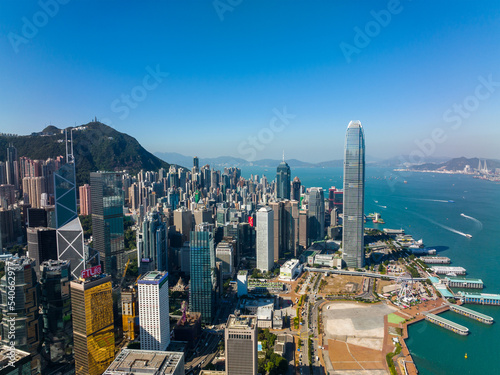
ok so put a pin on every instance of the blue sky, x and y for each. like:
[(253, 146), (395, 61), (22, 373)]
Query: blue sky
[(225, 69)]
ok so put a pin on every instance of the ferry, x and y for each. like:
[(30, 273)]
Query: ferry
[(468, 235), (450, 201)]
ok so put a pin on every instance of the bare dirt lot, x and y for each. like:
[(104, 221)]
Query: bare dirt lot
[(381, 284), (338, 284)]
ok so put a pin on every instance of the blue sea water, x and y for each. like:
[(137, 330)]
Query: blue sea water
[(422, 208)]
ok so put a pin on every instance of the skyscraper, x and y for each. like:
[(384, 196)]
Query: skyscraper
[(107, 219), (26, 331), (265, 239), (153, 250), (354, 196), (241, 345), (93, 324), (153, 311), (56, 310), (283, 180), (12, 167), (85, 206), (202, 271), (296, 189), (316, 209)]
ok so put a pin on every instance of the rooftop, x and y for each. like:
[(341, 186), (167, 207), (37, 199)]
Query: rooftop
[(137, 362), (153, 277), (241, 322)]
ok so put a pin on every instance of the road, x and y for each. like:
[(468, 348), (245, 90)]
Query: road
[(358, 273)]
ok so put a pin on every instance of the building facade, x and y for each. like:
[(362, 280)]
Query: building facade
[(353, 251), (203, 277), (241, 345), (93, 324), (265, 239), (153, 311), (107, 219), (283, 181)]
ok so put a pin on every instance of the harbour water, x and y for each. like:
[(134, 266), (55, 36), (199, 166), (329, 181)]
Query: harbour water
[(421, 207)]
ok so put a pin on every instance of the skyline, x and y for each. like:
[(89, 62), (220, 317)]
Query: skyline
[(209, 79)]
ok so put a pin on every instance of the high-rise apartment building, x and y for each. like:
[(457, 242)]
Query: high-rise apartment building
[(241, 345), (283, 180), (354, 196), (202, 271), (85, 202), (107, 219), (265, 239), (316, 209), (93, 324), (153, 311), (26, 331), (55, 300)]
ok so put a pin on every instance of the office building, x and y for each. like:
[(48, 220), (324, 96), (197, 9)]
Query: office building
[(55, 300), (153, 249), (296, 187), (7, 195), (28, 322), (203, 277), (10, 226), (316, 208), (183, 221), (283, 180), (225, 254), (14, 361), (93, 324), (265, 239), (12, 167), (85, 202), (107, 219), (353, 251), (335, 199), (146, 362), (42, 245), (242, 283), (241, 345), (153, 311), (130, 313)]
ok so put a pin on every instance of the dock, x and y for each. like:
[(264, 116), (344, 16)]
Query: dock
[(472, 314), (463, 282), (448, 324), (435, 260), (447, 270), (480, 298)]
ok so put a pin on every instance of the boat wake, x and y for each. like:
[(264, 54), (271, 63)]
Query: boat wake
[(480, 225), (434, 200), (381, 206), (445, 227)]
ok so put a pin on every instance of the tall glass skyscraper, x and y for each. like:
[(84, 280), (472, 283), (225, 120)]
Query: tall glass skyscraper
[(107, 219), (354, 196), (283, 180), (316, 214), (203, 280)]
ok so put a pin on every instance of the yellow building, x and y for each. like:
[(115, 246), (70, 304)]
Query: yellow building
[(129, 313), (93, 324)]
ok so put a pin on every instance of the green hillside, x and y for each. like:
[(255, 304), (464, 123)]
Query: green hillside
[(98, 147)]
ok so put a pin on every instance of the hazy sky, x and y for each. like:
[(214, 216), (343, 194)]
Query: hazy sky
[(249, 78)]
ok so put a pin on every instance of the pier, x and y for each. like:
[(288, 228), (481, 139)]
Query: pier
[(462, 282), (448, 324), (472, 314), (480, 298), (435, 260), (447, 270)]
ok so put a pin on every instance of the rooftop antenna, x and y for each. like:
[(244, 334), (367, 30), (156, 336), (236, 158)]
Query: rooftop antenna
[(283, 156), (69, 155)]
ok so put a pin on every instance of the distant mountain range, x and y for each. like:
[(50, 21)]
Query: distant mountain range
[(97, 147), (230, 161), (457, 164)]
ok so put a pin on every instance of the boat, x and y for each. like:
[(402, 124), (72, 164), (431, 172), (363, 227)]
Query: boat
[(450, 201), (468, 235), (379, 221), (465, 356), (405, 181), (462, 215)]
